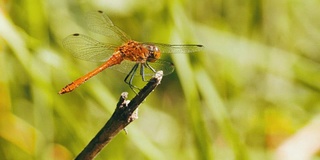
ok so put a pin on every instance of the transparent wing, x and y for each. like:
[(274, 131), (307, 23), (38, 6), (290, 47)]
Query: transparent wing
[(169, 48), (165, 66), (100, 23), (86, 48), (126, 66)]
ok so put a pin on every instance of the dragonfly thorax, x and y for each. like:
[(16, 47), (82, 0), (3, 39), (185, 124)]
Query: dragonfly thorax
[(139, 52)]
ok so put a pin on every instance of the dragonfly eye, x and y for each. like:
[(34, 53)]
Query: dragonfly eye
[(154, 53)]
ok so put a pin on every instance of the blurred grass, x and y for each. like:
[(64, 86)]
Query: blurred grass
[(255, 84)]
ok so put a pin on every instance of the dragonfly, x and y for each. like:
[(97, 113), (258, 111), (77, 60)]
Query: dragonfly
[(120, 53)]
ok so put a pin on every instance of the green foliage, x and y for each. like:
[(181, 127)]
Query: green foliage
[(255, 84)]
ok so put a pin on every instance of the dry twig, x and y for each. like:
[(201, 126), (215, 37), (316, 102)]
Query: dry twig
[(123, 115)]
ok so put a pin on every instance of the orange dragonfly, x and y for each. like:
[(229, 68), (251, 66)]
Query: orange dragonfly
[(131, 55)]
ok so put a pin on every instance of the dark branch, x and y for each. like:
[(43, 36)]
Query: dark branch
[(123, 115)]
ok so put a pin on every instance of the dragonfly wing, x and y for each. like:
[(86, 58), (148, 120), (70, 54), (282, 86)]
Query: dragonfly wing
[(126, 66), (86, 48), (100, 23), (188, 48), (165, 66)]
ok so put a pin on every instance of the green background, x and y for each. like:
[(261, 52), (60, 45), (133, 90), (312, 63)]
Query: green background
[(247, 95)]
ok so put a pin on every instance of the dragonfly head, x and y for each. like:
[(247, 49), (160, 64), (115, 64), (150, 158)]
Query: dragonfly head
[(153, 53)]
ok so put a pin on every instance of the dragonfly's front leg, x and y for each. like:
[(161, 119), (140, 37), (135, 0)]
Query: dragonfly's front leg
[(142, 70)]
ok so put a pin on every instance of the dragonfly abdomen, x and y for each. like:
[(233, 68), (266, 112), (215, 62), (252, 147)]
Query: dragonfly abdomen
[(115, 59)]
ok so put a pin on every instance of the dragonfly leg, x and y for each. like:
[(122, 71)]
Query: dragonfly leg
[(130, 77), (148, 65), (142, 70)]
